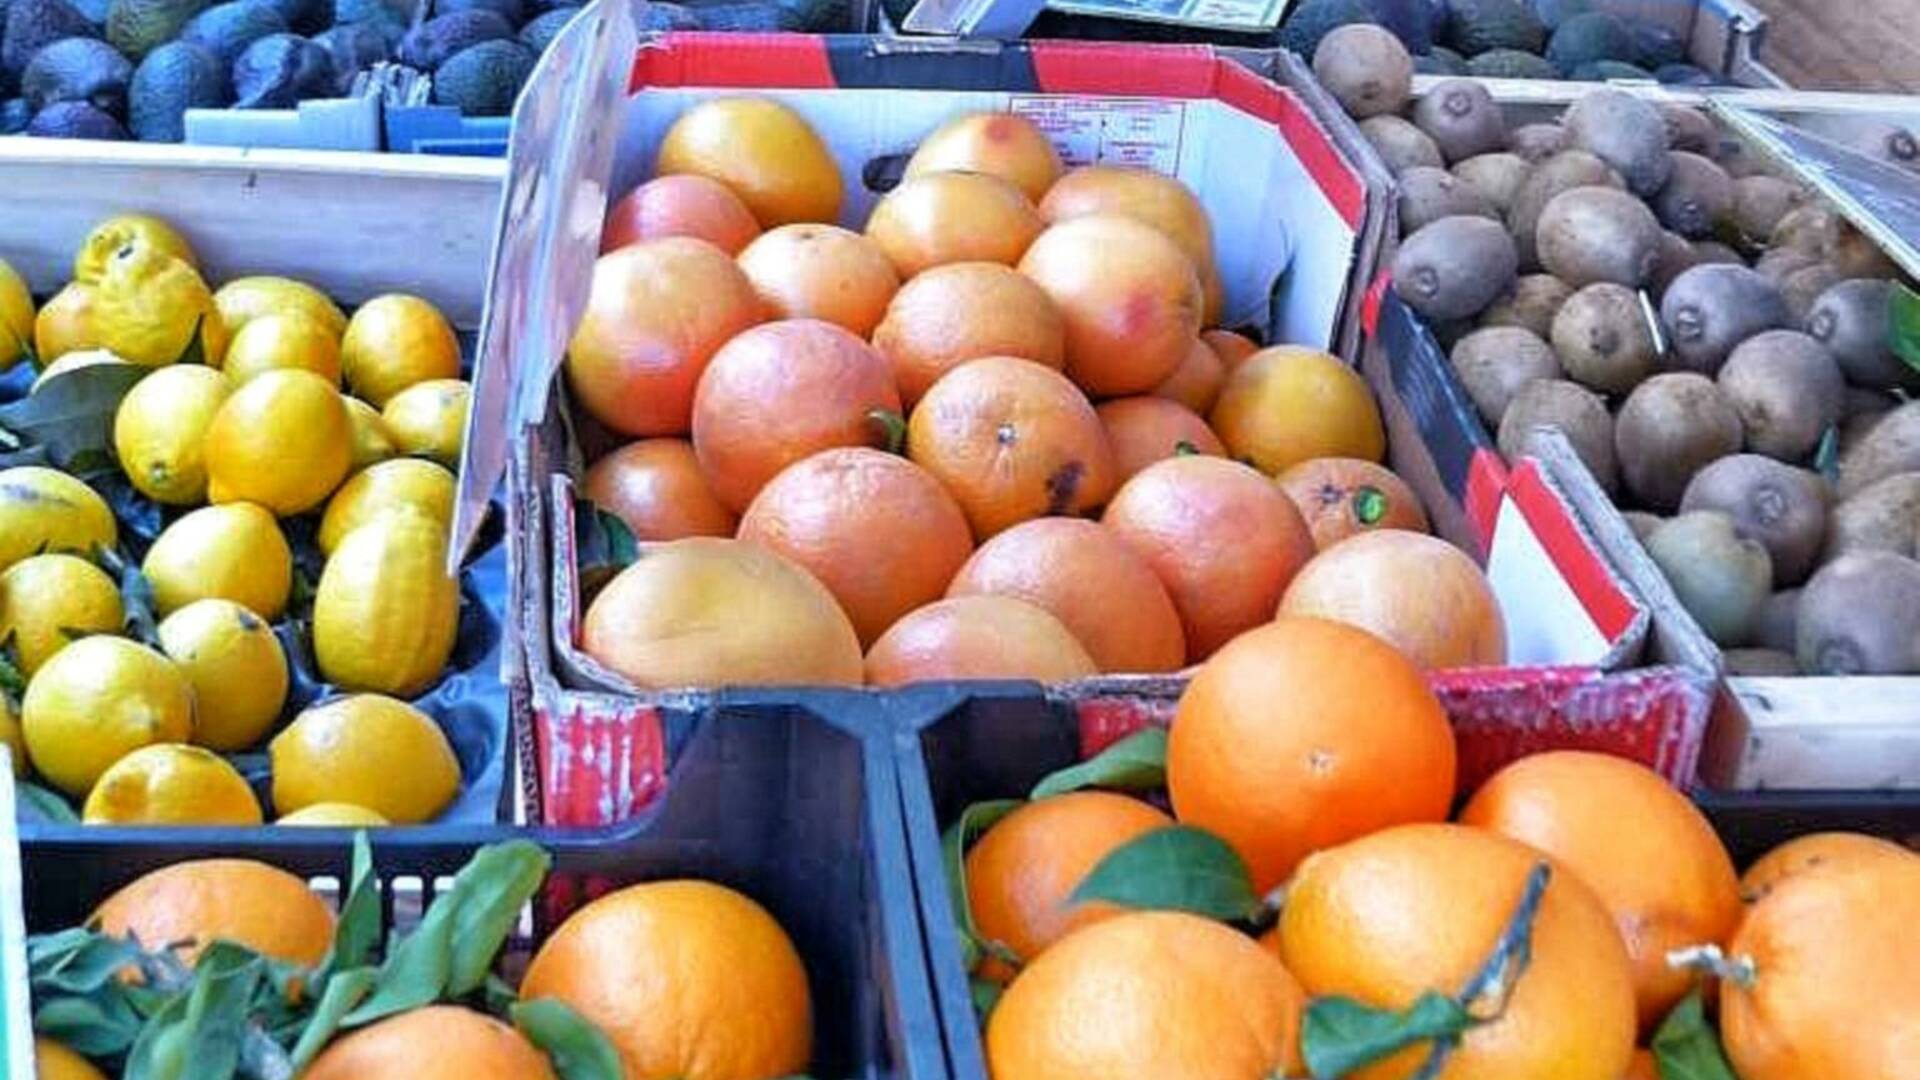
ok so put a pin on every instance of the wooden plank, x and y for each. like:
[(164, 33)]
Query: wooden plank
[(1818, 732), (1844, 45)]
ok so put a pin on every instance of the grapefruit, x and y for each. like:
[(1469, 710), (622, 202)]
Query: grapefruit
[(947, 217), (656, 487), (1129, 296), (978, 637), (821, 272), (964, 311), (1420, 593), (683, 205), (1289, 404), (1197, 381), (998, 144), (1341, 497), (763, 151), (1144, 429)]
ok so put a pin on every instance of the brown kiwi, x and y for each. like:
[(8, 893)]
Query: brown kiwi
[(1810, 227), (1560, 173), (1740, 160), (1710, 309), (1774, 630), (1537, 142), (1454, 267), (1401, 145), (1860, 615), (1676, 257), (1761, 663), (1530, 304), (1579, 414), (1604, 339), (1782, 507), (1855, 255), (1496, 176), (1625, 132), (1850, 318), (1366, 69), (1787, 390), (1721, 579), (1688, 128), (1462, 119), (1883, 516), (1493, 363), (1893, 446), (1706, 252), (1696, 196), (1429, 194), (1759, 202), (1779, 264), (1804, 286), (1594, 234), (1642, 523), (1672, 426)]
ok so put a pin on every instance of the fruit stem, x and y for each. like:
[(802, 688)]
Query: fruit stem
[(893, 428), (1709, 960)]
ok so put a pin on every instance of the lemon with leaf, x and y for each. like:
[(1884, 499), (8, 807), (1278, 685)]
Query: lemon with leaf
[(49, 601), (98, 700), (160, 430), (171, 784), (152, 309)]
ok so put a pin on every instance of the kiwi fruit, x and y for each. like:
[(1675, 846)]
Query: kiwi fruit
[(1782, 507), (1774, 630), (1809, 227), (1804, 286), (1579, 414), (1787, 390), (1721, 579), (1537, 142), (1779, 264), (1850, 318), (1603, 338), (1454, 267), (1462, 119), (1673, 257), (1893, 446), (1891, 143), (1401, 146), (1670, 427), (1695, 197), (1531, 304), (1688, 128), (1734, 155), (1759, 202), (1761, 663), (1428, 194), (1706, 252), (1642, 523), (1860, 615), (1558, 174), (1883, 516), (1855, 255), (1711, 308), (1594, 234), (1497, 177), (1626, 133), (1366, 69), (1494, 362)]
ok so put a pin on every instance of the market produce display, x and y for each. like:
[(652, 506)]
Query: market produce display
[(208, 550)]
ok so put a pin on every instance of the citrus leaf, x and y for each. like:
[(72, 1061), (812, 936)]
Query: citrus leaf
[(12, 679), (1178, 868), (1135, 763), (605, 545), (199, 1033), (1486, 996), (578, 1049), (1339, 1035), (986, 994), (973, 821), (71, 414), (261, 1058), (95, 1028), (491, 889), (1686, 1047), (1903, 324), (344, 991), (142, 618), (79, 965), (357, 931), (48, 804), (415, 972)]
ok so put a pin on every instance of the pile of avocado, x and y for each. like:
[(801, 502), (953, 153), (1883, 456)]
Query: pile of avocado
[(1509, 39)]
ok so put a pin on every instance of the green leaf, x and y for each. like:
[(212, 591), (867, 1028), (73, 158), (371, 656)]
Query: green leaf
[(986, 994), (1903, 324), (198, 1035), (345, 990), (261, 1058), (1686, 1047), (80, 965), (1135, 763), (1826, 455), (136, 595), (974, 820), (490, 890), (95, 1028), (71, 414), (1339, 1035), (415, 972), (357, 931), (578, 1049), (48, 804), (1178, 868), (12, 679)]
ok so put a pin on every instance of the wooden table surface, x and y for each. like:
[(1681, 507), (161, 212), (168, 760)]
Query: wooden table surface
[(1870, 45)]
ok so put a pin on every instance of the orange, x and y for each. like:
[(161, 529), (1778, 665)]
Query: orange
[(978, 637), (1091, 581), (763, 152), (821, 272), (1129, 296), (656, 487), (1303, 734), (964, 311), (1288, 404), (1197, 381), (1810, 852), (1149, 995), (52, 1061), (688, 979), (998, 144), (1149, 198), (1222, 539), (680, 206), (947, 217), (1648, 854), (64, 324), (436, 1042), (1832, 990), (656, 313), (1341, 497), (880, 533), (1012, 440), (1420, 908), (1022, 873), (262, 907), (1145, 429), (782, 391), (1421, 594), (708, 612), (1229, 346)]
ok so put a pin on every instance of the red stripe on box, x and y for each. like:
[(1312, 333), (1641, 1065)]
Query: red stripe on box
[(1160, 71), (1611, 609), (1486, 480), (1312, 145), (597, 768), (1370, 304), (699, 58)]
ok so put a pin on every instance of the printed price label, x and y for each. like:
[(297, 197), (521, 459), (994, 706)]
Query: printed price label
[(1140, 132)]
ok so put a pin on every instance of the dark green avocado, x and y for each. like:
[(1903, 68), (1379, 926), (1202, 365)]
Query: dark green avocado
[(32, 25), (77, 69), (485, 79), (75, 120), (279, 71), (225, 30), (430, 44), (173, 78), (1477, 26), (542, 29)]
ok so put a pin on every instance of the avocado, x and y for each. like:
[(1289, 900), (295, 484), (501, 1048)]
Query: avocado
[(1315, 19), (225, 30), (428, 45), (1584, 39), (1439, 61), (1684, 75), (77, 69), (542, 29), (354, 47), (306, 16), (1609, 71), (484, 80), (1412, 21), (511, 10), (390, 17), (14, 116), (173, 78), (75, 120), (1654, 44), (1511, 64), (1554, 12), (279, 71), (1477, 26), (137, 27), (32, 25)]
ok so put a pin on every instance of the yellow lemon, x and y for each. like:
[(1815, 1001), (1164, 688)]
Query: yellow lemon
[(108, 237), (394, 341), (372, 443), (160, 431), (336, 815), (151, 308), (45, 510), (52, 1061), (98, 700), (65, 324), (233, 551), (48, 601), (236, 666), (10, 735), (386, 611), (73, 361), (171, 784), (242, 300), (407, 485), (16, 317), (282, 440), (270, 342), (368, 750), (429, 419)]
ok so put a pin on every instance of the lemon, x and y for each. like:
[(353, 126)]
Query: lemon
[(161, 427), (335, 814), (386, 611), (408, 485), (16, 317), (395, 341), (236, 666), (243, 299), (52, 1061), (269, 342), (171, 784), (10, 735), (283, 440), (65, 324), (428, 419), (149, 306), (98, 700), (368, 750), (108, 237), (234, 551), (44, 510), (47, 601), (73, 361), (372, 443)]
